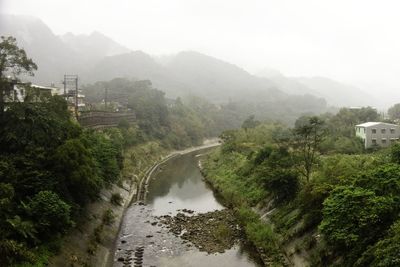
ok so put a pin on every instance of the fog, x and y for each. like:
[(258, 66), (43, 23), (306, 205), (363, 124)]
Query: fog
[(354, 41)]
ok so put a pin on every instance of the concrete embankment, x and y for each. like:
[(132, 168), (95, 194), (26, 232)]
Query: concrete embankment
[(92, 242)]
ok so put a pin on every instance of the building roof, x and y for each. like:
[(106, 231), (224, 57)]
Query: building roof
[(372, 123)]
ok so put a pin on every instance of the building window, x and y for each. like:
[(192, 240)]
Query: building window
[(374, 131), (392, 131), (383, 140), (383, 131)]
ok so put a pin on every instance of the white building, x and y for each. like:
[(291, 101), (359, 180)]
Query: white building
[(378, 133), (19, 92)]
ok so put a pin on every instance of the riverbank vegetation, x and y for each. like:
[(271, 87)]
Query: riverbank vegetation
[(323, 198), (51, 168)]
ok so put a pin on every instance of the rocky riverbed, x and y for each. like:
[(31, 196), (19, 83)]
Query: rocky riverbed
[(181, 223), (211, 232)]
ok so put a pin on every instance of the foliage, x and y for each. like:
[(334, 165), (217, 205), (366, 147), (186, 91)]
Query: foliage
[(116, 199), (309, 133), (12, 252), (386, 252), (105, 153), (44, 124), (250, 122), (50, 214), (173, 122), (259, 233), (348, 204), (394, 112), (108, 217), (49, 169), (77, 171), (14, 59), (395, 153), (353, 217), (274, 168)]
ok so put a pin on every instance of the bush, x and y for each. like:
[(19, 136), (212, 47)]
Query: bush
[(108, 217), (353, 217), (51, 214), (116, 199), (12, 252), (78, 171)]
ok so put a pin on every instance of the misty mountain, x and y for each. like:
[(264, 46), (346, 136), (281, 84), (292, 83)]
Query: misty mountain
[(94, 46), (286, 84), (96, 57), (335, 93), (137, 65), (57, 55), (208, 76), (52, 55)]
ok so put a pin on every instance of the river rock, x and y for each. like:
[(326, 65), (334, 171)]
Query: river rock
[(211, 232)]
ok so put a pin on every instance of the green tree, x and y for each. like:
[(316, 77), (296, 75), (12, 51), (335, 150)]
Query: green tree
[(77, 171), (106, 155), (50, 213), (250, 123), (274, 168), (386, 252), (395, 153), (394, 112), (13, 61), (354, 217), (309, 133)]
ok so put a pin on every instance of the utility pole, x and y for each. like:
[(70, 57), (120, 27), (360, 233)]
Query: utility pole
[(71, 84), (76, 97), (65, 87), (105, 98)]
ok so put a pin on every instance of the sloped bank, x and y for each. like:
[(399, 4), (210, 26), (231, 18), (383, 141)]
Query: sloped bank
[(258, 232), (92, 241)]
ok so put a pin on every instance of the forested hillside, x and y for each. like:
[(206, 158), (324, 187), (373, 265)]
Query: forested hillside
[(325, 201), (50, 169)]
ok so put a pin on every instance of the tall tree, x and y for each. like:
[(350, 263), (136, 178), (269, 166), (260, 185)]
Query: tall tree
[(14, 62), (250, 122), (394, 112), (309, 132)]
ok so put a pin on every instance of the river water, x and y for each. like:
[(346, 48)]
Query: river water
[(177, 184)]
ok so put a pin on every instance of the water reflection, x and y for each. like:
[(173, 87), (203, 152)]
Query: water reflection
[(177, 185)]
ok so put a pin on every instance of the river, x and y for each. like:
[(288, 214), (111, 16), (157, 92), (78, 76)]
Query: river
[(177, 184)]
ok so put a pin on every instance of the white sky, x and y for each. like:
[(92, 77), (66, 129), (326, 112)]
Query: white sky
[(349, 40)]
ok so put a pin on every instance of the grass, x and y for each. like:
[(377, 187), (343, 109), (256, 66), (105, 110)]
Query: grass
[(222, 172)]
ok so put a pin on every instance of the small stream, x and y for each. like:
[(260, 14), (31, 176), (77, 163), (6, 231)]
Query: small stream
[(143, 241)]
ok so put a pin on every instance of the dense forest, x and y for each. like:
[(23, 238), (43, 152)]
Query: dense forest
[(327, 200), (50, 168)]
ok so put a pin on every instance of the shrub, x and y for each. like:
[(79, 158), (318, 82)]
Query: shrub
[(353, 216), (12, 252), (108, 217), (51, 214), (116, 199)]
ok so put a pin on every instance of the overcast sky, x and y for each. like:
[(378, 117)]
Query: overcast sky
[(349, 40)]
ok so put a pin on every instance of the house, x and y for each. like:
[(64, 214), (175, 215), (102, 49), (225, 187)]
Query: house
[(20, 92), (378, 133)]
